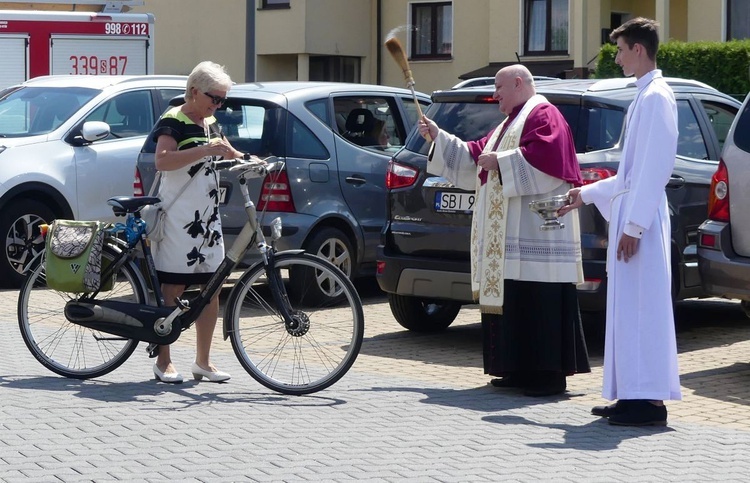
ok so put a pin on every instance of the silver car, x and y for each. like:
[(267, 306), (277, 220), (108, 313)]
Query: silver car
[(335, 140), (67, 144), (724, 239)]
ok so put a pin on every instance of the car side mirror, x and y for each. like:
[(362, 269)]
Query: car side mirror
[(94, 130), (91, 131)]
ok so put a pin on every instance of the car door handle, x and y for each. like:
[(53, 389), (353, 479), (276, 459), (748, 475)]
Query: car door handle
[(355, 179), (676, 182)]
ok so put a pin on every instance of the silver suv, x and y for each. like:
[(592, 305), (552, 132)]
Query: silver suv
[(67, 144), (724, 239), (335, 140)]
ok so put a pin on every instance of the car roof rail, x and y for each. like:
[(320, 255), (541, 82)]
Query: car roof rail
[(624, 82)]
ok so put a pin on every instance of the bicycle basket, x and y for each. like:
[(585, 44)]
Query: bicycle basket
[(73, 259)]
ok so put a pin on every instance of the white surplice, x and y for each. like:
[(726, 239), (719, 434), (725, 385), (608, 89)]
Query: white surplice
[(640, 352)]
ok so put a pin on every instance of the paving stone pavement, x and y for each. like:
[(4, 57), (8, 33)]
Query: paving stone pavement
[(414, 407)]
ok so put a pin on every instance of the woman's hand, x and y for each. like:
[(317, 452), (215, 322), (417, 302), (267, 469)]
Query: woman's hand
[(220, 147)]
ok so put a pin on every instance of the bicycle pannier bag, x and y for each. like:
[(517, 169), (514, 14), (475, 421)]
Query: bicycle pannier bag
[(73, 260), (155, 218)]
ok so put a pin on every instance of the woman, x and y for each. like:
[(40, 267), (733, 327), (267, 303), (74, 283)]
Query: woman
[(186, 138)]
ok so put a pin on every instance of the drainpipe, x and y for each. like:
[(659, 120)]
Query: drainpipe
[(379, 29), (250, 42)]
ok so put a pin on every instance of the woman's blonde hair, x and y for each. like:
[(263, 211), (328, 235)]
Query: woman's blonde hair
[(207, 76)]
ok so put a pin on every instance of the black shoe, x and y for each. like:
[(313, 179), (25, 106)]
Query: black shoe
[(640, 412), (607, 411), (547, 385), (509, 381)]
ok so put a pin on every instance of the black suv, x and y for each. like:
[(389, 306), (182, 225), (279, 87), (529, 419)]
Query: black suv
[(423, 259)]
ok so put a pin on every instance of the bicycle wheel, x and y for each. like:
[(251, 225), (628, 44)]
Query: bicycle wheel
[(66, 348), (308, 355)]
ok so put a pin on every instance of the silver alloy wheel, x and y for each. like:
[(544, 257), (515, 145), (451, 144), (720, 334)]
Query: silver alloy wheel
[(335, 251), (24, 242)]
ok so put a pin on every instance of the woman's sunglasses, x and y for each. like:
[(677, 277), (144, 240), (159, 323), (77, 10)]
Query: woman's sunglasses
[(216, 100)]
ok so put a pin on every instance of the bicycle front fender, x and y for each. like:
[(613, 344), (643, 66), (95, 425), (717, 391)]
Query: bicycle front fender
[(227, 323)]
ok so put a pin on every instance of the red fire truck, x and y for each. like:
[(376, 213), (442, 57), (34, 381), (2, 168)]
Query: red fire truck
[(35, 43)]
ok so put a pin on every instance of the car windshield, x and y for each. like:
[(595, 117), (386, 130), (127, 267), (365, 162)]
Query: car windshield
[(39, 110), (468, 121)]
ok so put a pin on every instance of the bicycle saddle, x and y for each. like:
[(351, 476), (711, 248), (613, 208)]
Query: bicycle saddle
[(130, 204)]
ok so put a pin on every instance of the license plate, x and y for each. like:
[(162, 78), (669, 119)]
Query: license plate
[(454, 202), (222, 195)]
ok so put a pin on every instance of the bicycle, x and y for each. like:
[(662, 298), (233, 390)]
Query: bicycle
[(283, 338)]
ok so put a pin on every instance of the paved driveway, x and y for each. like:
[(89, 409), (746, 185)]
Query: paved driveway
[(413, 408)]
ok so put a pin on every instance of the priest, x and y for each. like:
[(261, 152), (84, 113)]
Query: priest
[(523, 278)]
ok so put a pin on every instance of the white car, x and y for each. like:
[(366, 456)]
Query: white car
[(67, 144)]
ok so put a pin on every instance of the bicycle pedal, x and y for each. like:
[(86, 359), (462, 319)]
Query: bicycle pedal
[(153, 350)]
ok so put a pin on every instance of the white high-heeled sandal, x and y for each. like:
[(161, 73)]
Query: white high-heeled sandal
[(213, 376)]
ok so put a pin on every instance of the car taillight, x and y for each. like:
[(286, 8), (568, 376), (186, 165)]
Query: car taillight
[(276, 195), (399, 176), (138, 184), (718, 195), (591, 175)]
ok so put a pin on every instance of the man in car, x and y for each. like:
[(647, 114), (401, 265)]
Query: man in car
[(523, 277), (640, 352)]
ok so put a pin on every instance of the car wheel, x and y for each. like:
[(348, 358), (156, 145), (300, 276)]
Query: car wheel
[(19, 223), (334, 246), (306, 286), (423, 315)]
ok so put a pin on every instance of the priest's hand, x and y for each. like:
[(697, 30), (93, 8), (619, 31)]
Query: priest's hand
[(574, 195), (488, 162), (428, 128), (627, 248)]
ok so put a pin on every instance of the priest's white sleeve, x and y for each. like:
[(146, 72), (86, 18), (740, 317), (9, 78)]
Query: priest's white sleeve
[(450, 158)]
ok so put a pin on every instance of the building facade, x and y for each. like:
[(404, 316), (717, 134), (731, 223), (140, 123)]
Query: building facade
[(445, 40)]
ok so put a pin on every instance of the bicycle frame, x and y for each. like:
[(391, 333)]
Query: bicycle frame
[(161, 321)]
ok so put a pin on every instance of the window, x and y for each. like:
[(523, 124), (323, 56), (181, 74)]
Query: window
[(720, 116), (274, 4), (411, 108), (335, 68), (129, 114), (690, 140), (432, 35), (738, 19), (370, 122), (545, 27)]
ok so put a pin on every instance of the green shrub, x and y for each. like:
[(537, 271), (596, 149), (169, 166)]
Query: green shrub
[(723, 65)]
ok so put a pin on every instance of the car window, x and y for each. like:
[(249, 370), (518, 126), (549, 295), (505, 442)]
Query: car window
[(372, 122), (39, 110), (720, 116), (690, 142), (258, 129), (167, 95), (411, 108), (741, 139), (128, 114), (319, 108), (468, 121), (595, 127), (302, 142)]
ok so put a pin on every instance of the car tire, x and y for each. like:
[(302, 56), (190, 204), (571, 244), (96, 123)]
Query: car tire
[(19, 225), (332, 245), (423, 315)]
